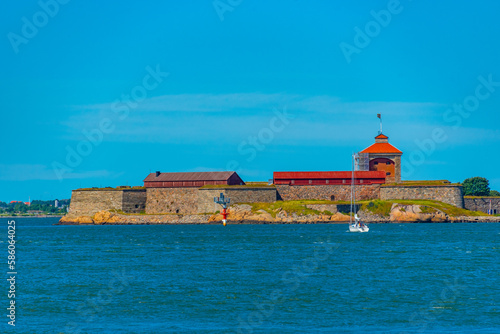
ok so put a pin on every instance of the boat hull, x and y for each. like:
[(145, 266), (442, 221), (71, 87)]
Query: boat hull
[(358, 228)]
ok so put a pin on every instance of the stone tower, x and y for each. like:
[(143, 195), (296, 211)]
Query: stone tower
[(382, 156)]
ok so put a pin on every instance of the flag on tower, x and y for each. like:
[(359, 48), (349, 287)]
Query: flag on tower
[(379, 116)]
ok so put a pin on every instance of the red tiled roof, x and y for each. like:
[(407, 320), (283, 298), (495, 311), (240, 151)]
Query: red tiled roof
[(381, 148), (381, 136), (195, 176), (329, 175)]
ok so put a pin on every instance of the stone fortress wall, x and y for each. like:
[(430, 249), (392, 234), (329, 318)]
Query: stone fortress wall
[(201, 200), (236, 194), (482, 204), (339, 192), (172, 200), (87, 202), (134, 201), (451, 194)]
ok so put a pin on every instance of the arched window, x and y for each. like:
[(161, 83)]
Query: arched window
[(332, 198)]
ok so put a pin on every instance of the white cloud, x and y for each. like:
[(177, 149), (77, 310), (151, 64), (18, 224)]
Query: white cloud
[(262, 101), (324, 120), (203, 102)]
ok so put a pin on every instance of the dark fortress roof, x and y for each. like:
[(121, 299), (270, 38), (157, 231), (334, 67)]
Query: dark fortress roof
[(195, 176)]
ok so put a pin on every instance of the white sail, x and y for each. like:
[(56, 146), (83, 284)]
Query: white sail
[(357, 225)]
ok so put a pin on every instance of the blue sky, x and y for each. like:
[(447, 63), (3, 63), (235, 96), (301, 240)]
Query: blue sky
[(252, 86)]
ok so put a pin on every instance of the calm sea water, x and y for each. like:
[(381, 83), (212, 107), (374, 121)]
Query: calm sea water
[(408, 278)]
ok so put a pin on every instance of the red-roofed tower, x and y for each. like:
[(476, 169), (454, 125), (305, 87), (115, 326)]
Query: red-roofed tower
[(382, 156)]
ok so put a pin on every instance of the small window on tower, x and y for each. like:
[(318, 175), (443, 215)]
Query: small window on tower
[(388, 173), (375, 163), (388, 163)]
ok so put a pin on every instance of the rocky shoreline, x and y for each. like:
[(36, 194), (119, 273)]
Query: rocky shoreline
[(243, 214)]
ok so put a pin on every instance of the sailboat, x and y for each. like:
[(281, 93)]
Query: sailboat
[(357, 225)]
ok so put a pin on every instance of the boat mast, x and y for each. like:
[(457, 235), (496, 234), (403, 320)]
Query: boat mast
[(354, 184), (352, 189)]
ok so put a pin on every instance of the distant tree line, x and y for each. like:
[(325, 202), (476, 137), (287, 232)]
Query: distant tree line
[(36, 205)]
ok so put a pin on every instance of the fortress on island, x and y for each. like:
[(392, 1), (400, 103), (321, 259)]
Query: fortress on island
[(378, 176)]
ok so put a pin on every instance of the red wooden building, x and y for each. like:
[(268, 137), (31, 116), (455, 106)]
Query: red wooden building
[(195, 179), (328, 178)]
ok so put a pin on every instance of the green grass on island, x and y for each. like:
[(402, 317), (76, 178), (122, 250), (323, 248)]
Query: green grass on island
[(297, 207), (378, 207), (449, 209)]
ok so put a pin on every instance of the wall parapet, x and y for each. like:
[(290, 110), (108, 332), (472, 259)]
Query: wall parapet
[(122, 188)]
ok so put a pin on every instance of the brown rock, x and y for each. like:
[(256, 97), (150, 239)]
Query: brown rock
[(103, 217), (339, 217), (413, 213), (82, 220)]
